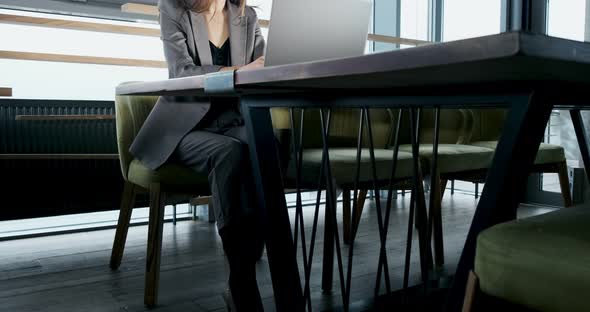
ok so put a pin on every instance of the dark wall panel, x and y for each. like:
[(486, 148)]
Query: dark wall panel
[(34, 188)]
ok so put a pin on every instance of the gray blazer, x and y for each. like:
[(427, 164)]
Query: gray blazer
[(187, 51)]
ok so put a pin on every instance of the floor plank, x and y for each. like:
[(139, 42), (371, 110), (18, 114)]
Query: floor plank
[(70, 272)]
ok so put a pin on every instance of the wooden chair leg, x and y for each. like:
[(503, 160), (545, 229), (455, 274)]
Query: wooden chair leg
[(154, 247), (346, 215), (360, 202), (564, 183), (470, 292), (127, 203)]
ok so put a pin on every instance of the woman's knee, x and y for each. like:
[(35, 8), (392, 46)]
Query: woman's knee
[(233, 155)]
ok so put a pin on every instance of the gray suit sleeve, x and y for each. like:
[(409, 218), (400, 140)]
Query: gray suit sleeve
[(180, 62), (259, 43)]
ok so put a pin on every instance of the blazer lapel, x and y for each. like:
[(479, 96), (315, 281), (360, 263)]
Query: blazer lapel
[(202, 38), (238, 26)]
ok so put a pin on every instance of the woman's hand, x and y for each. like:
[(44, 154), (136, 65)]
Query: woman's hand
[(258, 63)]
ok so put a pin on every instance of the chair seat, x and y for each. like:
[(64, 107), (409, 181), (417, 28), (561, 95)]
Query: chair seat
[(547, 154), (172, 177), (542, 262), (456, 157), (343, 165)]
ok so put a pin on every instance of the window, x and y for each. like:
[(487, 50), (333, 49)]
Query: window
[(72, 81), (53, 80), (414, 19), (566, 19), (263, 10), (467, 18)]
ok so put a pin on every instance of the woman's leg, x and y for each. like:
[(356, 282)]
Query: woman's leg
[(224, 159)]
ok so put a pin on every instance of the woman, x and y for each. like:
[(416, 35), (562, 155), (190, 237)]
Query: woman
[(200, 37)]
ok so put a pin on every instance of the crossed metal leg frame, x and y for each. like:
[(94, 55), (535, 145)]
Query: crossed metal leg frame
[(425, 221), (530, 108)]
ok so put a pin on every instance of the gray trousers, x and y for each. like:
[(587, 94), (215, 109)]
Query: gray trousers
[(218, 148)]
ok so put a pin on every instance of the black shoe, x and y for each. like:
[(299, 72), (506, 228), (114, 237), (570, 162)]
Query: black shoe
[(239, 248)]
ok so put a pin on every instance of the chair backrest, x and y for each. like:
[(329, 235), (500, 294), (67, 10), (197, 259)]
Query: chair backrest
[(454, 126), (131, 112), (487, 124), (344, 125)]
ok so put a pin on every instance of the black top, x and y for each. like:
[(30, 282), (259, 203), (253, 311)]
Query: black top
[(224, 111), (221, 56)]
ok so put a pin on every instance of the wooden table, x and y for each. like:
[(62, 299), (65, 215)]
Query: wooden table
[(529, 74), (5, 91)]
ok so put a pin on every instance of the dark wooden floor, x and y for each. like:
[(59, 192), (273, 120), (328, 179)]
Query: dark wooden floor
[(71, 273)]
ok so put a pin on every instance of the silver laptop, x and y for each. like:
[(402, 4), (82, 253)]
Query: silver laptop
[(311, 30)]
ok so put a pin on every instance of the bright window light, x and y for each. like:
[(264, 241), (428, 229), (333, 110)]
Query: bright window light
[(468, 18), (78, 42), (414, 19), (69, 81), (262, 7), (566, 19)]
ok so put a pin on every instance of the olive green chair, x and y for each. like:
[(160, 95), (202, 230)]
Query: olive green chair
[(456, 159), (541, 263), (169, 184), (487, 128), (343, 141)]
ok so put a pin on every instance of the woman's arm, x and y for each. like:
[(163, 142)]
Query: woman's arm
[(180, 63), (259, 43)]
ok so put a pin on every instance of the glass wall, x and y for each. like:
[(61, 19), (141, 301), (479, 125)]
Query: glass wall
[(72, 81), (566, 19), (414, 19), (263, 10), (467, 18)]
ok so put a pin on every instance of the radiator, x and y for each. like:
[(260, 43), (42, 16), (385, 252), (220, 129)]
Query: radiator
[(35, 188), (44, 137)]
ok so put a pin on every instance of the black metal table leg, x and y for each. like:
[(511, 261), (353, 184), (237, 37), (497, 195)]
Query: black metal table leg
[(505, 183), (582, 137), (435, 214), (279, 239), (421, 216), (328, 258)]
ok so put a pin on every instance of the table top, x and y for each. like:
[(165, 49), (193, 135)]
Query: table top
[(507, 57), (5, 91)]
